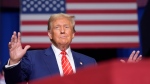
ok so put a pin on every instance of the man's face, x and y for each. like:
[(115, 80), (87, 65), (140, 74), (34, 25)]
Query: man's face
[(61, 32)]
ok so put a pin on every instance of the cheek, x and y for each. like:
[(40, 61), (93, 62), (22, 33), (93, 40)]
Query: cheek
[(69, 31), (55, 33), (71, 34)]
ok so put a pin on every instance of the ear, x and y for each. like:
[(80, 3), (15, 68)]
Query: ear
[(49, 34), (73, 35)]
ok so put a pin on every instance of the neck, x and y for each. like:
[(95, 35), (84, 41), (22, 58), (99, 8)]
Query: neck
[(62, 47)]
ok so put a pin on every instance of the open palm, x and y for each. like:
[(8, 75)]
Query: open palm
[(133, 58), (15, 48)]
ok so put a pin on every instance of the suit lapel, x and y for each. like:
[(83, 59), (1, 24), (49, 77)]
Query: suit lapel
[(50, 61), (78, 63)]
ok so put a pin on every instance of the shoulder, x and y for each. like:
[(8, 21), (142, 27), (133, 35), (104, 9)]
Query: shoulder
[(80, 55), (34, 54), (35, 51), (83, 57)]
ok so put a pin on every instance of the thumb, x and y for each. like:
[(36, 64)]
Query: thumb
[(123, 61), (27, 47)]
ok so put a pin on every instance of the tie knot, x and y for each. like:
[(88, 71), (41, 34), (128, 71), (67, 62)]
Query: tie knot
[(63, 53)]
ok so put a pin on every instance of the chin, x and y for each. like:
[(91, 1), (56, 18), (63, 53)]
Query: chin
[(64, 43)]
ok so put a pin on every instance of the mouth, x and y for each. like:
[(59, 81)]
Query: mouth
[(63, 37)]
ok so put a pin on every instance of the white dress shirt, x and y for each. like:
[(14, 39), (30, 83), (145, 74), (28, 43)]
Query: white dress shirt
[(59, 56)]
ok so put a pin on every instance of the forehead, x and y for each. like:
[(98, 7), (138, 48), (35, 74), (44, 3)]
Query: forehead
[(62, 20)]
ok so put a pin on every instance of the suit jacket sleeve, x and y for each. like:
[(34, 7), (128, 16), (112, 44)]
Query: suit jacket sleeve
[(19, 73)]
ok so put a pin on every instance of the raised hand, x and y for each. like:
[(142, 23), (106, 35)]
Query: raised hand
[(15, 49), (134, 57)]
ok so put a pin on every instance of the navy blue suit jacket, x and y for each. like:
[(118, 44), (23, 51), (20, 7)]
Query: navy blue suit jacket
[(41, 63)]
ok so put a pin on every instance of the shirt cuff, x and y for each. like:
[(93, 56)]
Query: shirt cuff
[(10, 66)]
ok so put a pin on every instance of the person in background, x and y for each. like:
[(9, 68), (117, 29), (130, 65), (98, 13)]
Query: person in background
[(58, 59), (2, 79)]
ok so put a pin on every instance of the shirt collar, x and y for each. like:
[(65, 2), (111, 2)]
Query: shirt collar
[(58, 51)]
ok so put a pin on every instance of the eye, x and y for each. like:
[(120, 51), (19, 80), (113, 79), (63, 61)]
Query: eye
[(66, 27), (56, 27)]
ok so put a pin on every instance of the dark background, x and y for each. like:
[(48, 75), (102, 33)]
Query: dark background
[(9, 22)]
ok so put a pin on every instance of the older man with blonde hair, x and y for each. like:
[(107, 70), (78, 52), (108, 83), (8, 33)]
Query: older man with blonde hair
[(26, 65)]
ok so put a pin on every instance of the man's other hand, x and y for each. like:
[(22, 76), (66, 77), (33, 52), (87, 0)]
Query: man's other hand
[(134, 57)]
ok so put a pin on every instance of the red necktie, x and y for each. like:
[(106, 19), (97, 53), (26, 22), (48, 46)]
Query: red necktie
[(67, 69)]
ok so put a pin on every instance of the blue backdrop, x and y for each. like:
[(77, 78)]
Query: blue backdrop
[(9, 22)]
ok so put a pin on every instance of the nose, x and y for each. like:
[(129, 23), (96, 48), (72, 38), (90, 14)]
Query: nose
[(62, 30)]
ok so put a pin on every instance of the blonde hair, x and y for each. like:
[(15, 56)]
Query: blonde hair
[(60, 15)]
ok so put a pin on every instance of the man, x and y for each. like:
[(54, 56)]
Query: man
[(26, 65)]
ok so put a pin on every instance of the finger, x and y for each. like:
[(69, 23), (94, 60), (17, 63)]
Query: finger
[(27, 47), (136, 55), (9, 45), (15, 37), (139, 58), (131, 56), (123, 61), (19, 37), (12, 39)]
